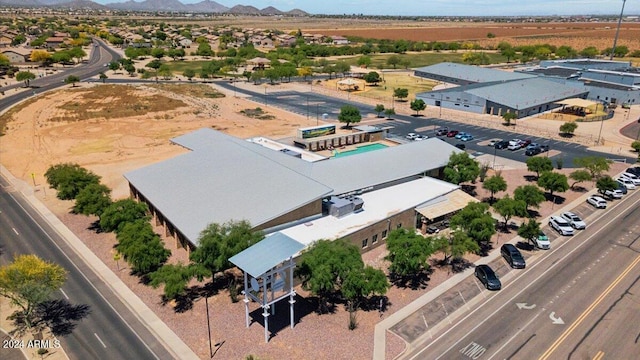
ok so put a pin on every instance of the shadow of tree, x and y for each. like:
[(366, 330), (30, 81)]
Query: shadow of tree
[(281, 318), (530, 178), (59, 315), (525, 246), (485, 248), (457, 264), (95, 226), (414, 281)]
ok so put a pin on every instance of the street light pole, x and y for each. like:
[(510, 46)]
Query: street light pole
[(206, 302)]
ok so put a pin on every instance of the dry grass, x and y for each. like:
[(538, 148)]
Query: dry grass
[(257, 113), (194, 90), (6, 117), (111, 102)]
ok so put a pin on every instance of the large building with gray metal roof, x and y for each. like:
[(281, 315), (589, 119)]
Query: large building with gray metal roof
[(223, 178), (491, 91)]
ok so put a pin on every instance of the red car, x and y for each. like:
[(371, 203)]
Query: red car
[(452, 133)]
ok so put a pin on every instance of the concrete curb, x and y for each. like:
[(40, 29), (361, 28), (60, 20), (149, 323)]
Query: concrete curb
[(379, 337), (147, 317)]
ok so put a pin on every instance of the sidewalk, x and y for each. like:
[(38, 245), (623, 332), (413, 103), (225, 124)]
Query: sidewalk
[(148, 318), (382, 328)]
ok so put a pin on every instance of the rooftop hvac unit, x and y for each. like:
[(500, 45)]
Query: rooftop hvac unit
[(339, 207)]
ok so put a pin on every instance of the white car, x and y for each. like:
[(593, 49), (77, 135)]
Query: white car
[(411, 136), (627, 183), (574, 220), (634, 179), (561, 225), (597, 201), (420, 137), (613, 194)]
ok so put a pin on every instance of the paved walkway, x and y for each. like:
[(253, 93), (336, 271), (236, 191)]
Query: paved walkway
[(7, 350), (148, 318)]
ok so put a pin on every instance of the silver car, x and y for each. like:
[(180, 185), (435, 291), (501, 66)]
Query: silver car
[(574, 220)]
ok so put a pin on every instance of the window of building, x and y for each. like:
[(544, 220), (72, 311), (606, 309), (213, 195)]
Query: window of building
[(374, 239), (384, 234), (365, 243), (399, 226)]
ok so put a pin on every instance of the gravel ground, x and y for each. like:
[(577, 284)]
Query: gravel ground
[(314, 336)]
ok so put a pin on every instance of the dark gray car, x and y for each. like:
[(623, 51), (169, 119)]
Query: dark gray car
[(487, 277), (513, 256)]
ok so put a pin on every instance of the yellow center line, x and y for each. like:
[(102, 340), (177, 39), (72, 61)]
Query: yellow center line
[(582, 316), (599, 355)]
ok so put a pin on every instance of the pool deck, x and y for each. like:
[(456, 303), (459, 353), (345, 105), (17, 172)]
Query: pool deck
[(329, 153)]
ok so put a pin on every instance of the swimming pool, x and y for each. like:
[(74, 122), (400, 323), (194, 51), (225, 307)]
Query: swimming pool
[(360, 149)]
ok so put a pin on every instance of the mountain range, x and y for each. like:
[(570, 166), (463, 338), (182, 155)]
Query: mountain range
[(205, 6)]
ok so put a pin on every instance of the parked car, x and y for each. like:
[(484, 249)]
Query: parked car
[(514, 146), (561, 225), (502, 144), (466, 137), (525, 143), (442, 131), (513, 256), (533, 151), (493, 142), (452, 133), (633, 170), (432, 229), (544, 148), (597, 201), (574, 220), (627, 183), (487, 277), (612, 194), (634, 179), (420, 137), (542, 241), (460, 146), (460, 134), (622, 187), (532, 145), (411, 136)]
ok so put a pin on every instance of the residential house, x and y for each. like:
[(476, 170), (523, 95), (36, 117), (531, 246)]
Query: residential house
[(17, 55), (54, 42), (339, 40)]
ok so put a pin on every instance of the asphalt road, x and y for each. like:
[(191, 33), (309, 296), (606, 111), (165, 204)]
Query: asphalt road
[(110, 331), (577, 301), (314, 105), (100, 56)]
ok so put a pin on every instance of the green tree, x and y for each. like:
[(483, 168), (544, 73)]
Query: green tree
[(408, 254), (461, 168), (636, 146), (589, 52), (508, 116), (360, 284), (130, 69), (155, 65), (175, 278), (349, 114), (494, 184), (418, 105), (364, 61), (553, 182), (595, 165), (606, 183), (25, 76), (189, 74), (568, 128), (61, 57), (372, 77), (165, 72), (455, 246), (77, 53), (217, 243), (68, 179), (158, 53), (400, 93), (394, 60), (204, 49), (92, 200), (121, 212), (508, 207), (175, 54), (103, 77), (114, 66), (29, 281), (539, 164), (141, 247), (530, 194), (579, 176), (71, 79), (389, 113), (529, 230), (378, 109), (476, 221)]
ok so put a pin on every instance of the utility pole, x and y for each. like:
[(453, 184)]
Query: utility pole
[(615, 40)]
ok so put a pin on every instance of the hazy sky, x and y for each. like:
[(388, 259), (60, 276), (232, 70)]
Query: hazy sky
[(441, 7)]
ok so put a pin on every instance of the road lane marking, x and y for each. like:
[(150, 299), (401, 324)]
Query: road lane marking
[(599, 355), (15, 231), (64, 294), (553, 265), (555, 320), (98, 337), (525, 306), (514, 336), (588, 311), (473, 350)]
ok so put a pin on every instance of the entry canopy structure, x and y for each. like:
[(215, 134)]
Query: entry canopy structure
[(268, 274), (349, 83)]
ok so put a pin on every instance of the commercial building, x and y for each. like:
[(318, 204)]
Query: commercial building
[(223, 178)]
